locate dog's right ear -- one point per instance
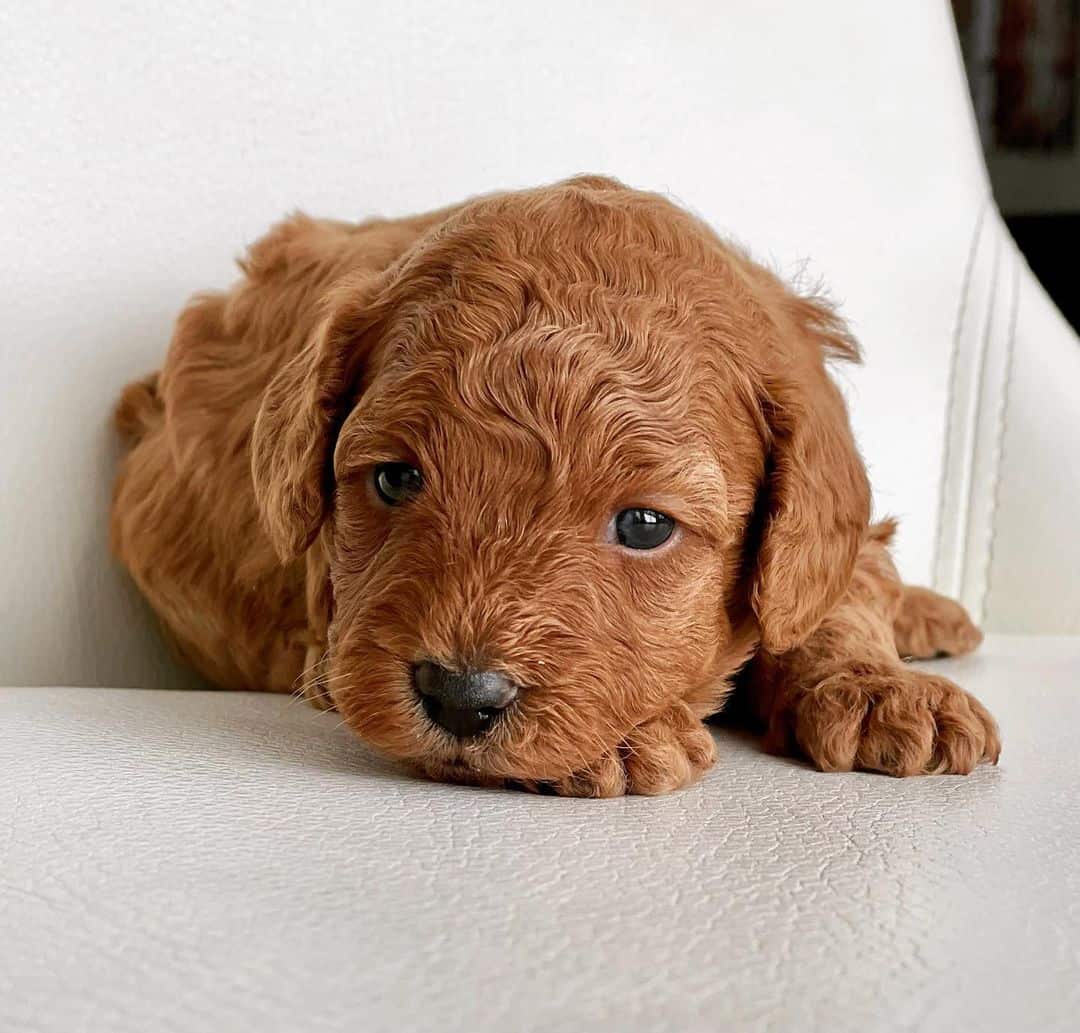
(301, 413)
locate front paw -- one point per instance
(900, 723)
(665, 753)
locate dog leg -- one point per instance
(845, 700)
(929, 625)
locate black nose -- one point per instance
(465, 703)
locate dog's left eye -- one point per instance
(643, 528)
(397, 482)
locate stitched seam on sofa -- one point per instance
(970, 592)
(951, 416)
(1002, 427)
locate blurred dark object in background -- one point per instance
(1021, 62)
(1021, 58)
(1036, 75)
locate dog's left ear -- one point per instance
(301, 413)
(818, 495)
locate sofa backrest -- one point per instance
(145, 146)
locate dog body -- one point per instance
(519, 486)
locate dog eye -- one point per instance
(643, 528)
(397, 482)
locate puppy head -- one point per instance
(566, 460)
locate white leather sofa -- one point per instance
(199, 860)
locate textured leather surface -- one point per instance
(146, 144)
(192, 861)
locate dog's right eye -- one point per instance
(397, 482)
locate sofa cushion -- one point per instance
(197, 860)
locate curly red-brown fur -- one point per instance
(546, 358)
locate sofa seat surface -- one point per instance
(207, 860)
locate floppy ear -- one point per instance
(818, 495)
(301, 413)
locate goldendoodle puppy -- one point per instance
(518, 487)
